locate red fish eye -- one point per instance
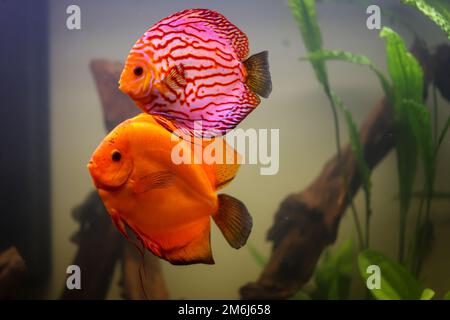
(116, 156)
(138, 71)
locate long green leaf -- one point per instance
(407, 80)
(396, 282)
(340, 55)
(358, 152)
(436, 10)
(304, 12)
(405, 71)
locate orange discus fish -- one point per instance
(192, 66)
(167, 205)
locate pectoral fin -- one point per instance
(154, 180)
(234, 220)
(175, 78)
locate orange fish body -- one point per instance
(194, 66)
(167, 205)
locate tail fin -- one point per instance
(233, 220)
(258, 78)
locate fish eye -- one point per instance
(138, 71)
(116, 156)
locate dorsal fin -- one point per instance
(142, 117)
(166, 123)
(236, 38)
(226, 161)
(216, 22)
(225, 173)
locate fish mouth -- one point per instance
(125, 88)
(121, 86)
(92, 166)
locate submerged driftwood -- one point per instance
(100, 245)
(308, 221)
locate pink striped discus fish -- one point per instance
(193, 66)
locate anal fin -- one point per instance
(188, 245)
(118, 222)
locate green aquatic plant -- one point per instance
(363, 168)
(417, 141)
(412, 125)
(396, 282)
(439, 12)
(333, 274)
(421, 126)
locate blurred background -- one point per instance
(52, 121)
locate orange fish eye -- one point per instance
(138, 71)
(116, 156)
